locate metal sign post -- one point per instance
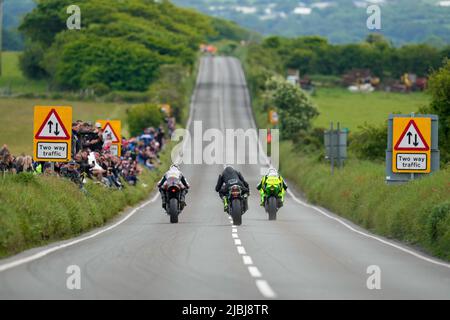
(331, 148)
(336, 146)
(338, 135)
(1, 37)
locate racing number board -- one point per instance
(412, 141)
(52, 134)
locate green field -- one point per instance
(353, 109)
(12, 76)
(16, 122)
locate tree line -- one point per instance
(121, 45)
(315, 55)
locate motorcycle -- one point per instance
(174, 205)
(272, 200)
(237, 200)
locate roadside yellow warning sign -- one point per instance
(167, 109)
(112, 135)
(273, 117)
(412, 141)
(52, 134)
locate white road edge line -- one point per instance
(255, 273)
(415, 254)
(265, 289)
(46, 252)
(43, 253)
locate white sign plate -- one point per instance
(52, 150)
(412, 161)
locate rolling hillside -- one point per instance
(342, 21)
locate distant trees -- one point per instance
(121, 44)
(439, 88)
(83, 60)
(314, 55)
(225, 29)
(171, 89)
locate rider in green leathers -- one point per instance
(272, 179)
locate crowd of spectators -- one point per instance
(93, 156)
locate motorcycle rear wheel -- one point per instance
(173, 210)
(236, 212)
(272, 208)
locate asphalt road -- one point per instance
(303, 255)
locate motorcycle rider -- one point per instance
(228, 178)
(174, 172)
(275, 178)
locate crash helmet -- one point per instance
(226, 165)
(272, 172)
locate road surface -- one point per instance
(303, 255)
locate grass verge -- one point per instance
(417, 213)
(36, 210)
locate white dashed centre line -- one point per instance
(247, 260)
(254, 272)
(241, 250)
(262, 285)
(265, 289)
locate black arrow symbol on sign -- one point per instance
(50, 124)
(57, 131)
(409, 137)
(416, 143)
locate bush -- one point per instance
(439, 88)
(438, 222)
(295, 107)
(30, 62)
(171, 88)
(369, 142)
(309, 141)
(143, 116)
(100, 89)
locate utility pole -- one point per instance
(1, 36)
